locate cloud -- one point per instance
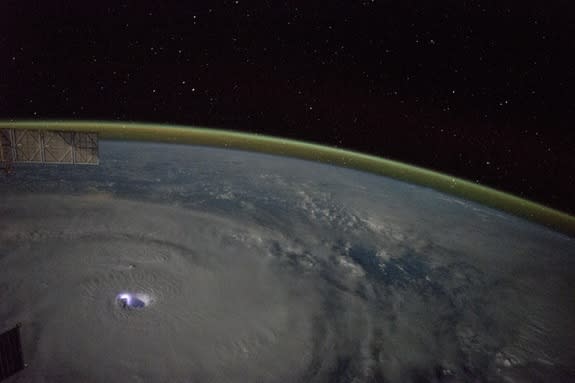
(271, 275)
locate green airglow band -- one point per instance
(314, 152)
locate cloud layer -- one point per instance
(258, 269)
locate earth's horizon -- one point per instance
(170, 133)
(257, 267)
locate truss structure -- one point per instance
(39, 146)
(11, 359)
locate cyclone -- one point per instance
(183, 263)
(214, 303)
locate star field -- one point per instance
(478, 89)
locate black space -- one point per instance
(480, 89)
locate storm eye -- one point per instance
(127, 300)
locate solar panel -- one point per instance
(58, 147)
(62, 147)
(85, 148)
(5, 145)
(11, 359)
(28, 144)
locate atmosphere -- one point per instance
(478, 89)
(370, 191)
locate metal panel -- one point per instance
(28, 144)
(86, 148)
(5, 146)
(58, 147)
(11, 359)
(61, 147)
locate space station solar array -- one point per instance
(42, 146)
